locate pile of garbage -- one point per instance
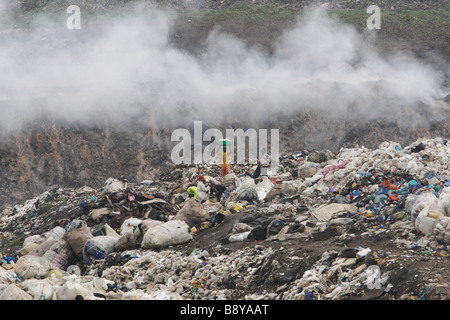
(173, 238)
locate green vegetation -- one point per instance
(268, 12)
(356, 16)
(426, 28)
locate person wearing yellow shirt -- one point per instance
(192, 191)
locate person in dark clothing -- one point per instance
(217, 190)
(257, 171)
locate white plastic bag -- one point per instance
(169, 233)
(71, 289)
(424, 223)
(12, 292)
(239, 237)
(327, 212)
(30, 266)
(39, 289)
(59, 254)
(424, 200)
(263, 188)
(442, 230)
(113, 185)
(104, 243)
(129, 224)
(244, 182)
(444, 200)
(229, 180)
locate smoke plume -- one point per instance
(123, 69)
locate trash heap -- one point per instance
(152, 240)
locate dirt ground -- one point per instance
(414, 270)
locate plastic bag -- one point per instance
(126, 242)
(30, 266)
(78, 237)
(442, 230)
(31, 243)
(193, 212)
(39, 289)
(244, 182)
(12, 292)
(239, 236)
(280, 191)
(444, 200)
(59, 254)
(147, 224)
(327, 212)
(129, 224)
(424, 223)
(424, 200)
(97, 214)
(98, 247)
(37, 245)
(248, 194)
(43, 247)
(113, 185)
(71, 289)
(169, 233)
(230, 180)
(263, 188)
(92, 252)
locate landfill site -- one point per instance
(355, 209)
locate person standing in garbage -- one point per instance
(224, 162)
(192, 192)
(217, 190)
(202, 190)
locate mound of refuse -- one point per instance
(153, 240)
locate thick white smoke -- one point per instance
(123, 68)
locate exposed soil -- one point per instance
(413, 268)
